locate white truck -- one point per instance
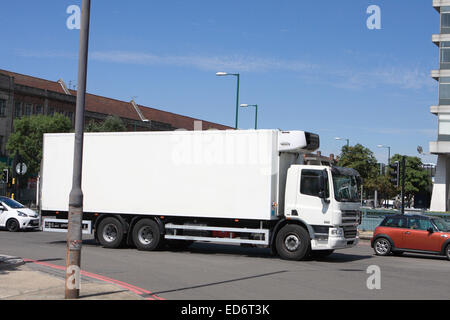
(249, 187)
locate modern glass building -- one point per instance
(441, 147)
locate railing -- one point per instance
(371, 218)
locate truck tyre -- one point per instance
(12, 225)
(110, 232)
(146, 235)
(292, 242)
(382, 247)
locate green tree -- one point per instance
(381, 183)
(417, 179)
(359, 158)
(27, 138)
(111, 124)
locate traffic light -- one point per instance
(395, 173)
(4, 176)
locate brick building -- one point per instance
(23, 95)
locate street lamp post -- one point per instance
(348, 141)
(221, 74)
(389, 151)
(244, 105)
(75, 216)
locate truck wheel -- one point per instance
(146, 235)
(292, 242)
(382, 247)
(12, 225)
(110, 233)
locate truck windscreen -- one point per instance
(346, 188)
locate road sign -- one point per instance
(21, 168)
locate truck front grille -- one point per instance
(350, 232)
(349, 216)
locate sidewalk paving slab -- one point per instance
(20, 282)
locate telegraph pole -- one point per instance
(74, 232)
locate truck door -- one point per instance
(311, 207)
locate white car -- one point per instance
(14, 216)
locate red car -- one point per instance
(412, 233)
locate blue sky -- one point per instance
(308, 66)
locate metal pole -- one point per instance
(256, 117)
(403, 183)
(389, 155)
(237, 101)
(74, 232)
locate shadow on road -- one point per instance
(221, 282)
(343, 257)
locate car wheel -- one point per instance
(146, 235)
(12, 225)
(292, 242)
(382, 247)
(447, 251)
(110, 233)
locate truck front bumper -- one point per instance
(333, 243)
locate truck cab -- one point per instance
(326, 200)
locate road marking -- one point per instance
(139, 291)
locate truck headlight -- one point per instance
(336, 231)
(21, 214)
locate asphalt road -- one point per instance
(212, 271)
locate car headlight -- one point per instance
(21, 214)
(336, 231)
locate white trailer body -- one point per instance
(213, 174)
(238, 186)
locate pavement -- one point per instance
(22, 279)
(31, 280)
(365, 235)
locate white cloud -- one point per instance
(352, 77)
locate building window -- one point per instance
(444, 124)
(51, 111)
(69, 114)
(445, 55)
(444, 91)
(28, 109)
(17, 109)
(2, 108)
(38, 109)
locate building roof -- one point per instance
(109, 106)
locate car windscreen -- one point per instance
(11, 203)
(441, 224)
